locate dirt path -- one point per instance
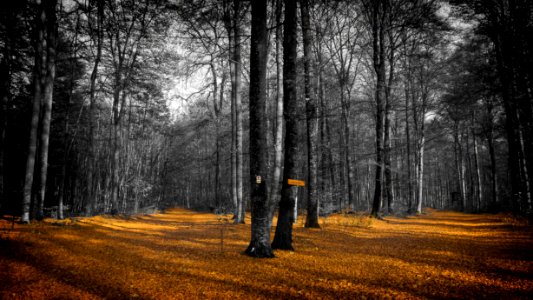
(179, 255)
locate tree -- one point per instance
(233, 25)
(98, 38)
(48, 91)
(279, 126)
(43, 77)
(507, 24)
(377, 14)
(283, 235)
(260, 240)
(312, 120)
(344, 34)
(14, 44)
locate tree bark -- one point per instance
(239, 158)
(278, 139)
(379, 12)
(231, 21)
(312, 121)
(48, 93)
(420, 171)
(389, 195)
(38, 82)
(387, 172)
(283, 235)
(260, 238)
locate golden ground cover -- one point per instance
(181, 255)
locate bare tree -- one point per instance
(39, 76)
(48, 91)
(283, 235)
(312, 120)
(260, 240)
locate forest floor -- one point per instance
(181, 255)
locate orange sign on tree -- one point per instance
(296, 182)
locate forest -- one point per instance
(272, 121)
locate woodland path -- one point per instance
(179, 255)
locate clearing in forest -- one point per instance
(181, 255)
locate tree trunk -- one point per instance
(260, 238)
(38, 82)
(283, 236)
(238, 115)
(327, 167)
(494, 185)
(387, 172)
(420, 171)
(379, 13)
(479, 188)
(408, 154)
(349, 173)
(233, 153)
(115, 157)
(312, 121)
(278, 139)
(48, 94)
(66, 147)
(458, 163)
(91, 165)
(389, 195)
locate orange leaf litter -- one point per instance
(181, 255)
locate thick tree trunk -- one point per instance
(283, 236)
(312, 121)
(379, 13)
(48, 93)
(388, 187)
(260, 238)
(38, 82)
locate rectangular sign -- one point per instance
(296, 182)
